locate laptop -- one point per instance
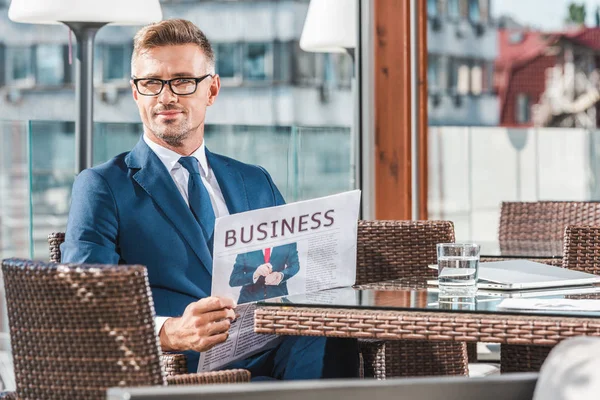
(524, 274)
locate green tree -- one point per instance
(576, 14)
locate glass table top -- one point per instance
(522, 248)
(403, 295)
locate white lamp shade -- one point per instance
(330, 26)
(117, 12)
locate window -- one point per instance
(49, 65)
(453, 9)
(304, 66)
(258, 64)
(20, 66)
(344, 69)
(459, 76)
(116, 62)
(488, 77)
(432, 8)
(462, 83)
(477, 78)
(228, 64)
(433, 72)
(523, 111)
(282, 61)
(474, 11)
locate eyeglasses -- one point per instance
(179, 86)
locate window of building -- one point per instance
(344, 69)
(258, 63)
(485, 10)
(488, 77)
(116, 62)
(474, 11)
(453, 8)
(459, 76)
(477, 78)
(433, 72)
(463, 78)
(282, 61)
(433, 8)
(304, 66)
(228, 63)
(523, 111)
(49, 65)
(20, 66)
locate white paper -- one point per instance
(551, 304)
(312, 246)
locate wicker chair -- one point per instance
(78, 329)
(171, 363)
(399, 249)
(541, 221)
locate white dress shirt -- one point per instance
(181, 176)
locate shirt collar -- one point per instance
(171, 159)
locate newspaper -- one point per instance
(296, 248)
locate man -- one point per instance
(157, 205)
(263, 274)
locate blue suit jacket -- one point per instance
(130, 211)
(284, 259)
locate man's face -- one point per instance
(170, 117)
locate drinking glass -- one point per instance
(458, 265)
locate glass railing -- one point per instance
(473, 170)
(38, 158)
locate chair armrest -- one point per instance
(173, 364)
(226, 376)
(372, 354)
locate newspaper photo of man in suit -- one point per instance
(263, 274)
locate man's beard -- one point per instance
(173, 133)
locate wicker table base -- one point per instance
(409, 325)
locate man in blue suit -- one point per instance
(263, 274)
(157, 205)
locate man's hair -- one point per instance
(172, 32)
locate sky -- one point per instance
(543, 14)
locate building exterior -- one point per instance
(548, 78)
(267, 79)
(462, 47)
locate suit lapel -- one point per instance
(154, 178)
(230, 182)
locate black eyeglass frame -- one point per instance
(168, 82)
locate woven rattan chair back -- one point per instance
(582, 248)
(77, 330)
(544, 220)
(399, 249)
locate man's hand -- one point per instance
(203, 325)
(274, 278)
(263, 270)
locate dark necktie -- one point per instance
(199, 199)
